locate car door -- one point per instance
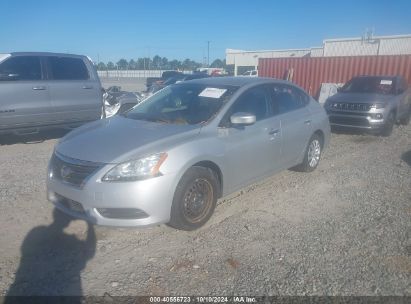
(251, 151)
(24, 95)
(291, 104)
(75, 92)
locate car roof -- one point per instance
(238, 81)
(45, 54)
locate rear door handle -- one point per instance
(39, 88)
(87, 87)
(307, 122)
(274, 131)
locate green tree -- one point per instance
(132, 65)
(164, 63)
(156, 62)
(140, 64)
(218, 63)
(148, 63)
(174, 64)
(122, 64)
(101, 66)
(189, 64)
(110, 65)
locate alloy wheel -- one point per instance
(314, 152)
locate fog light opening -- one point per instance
(122, 213)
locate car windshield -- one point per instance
(376, 85)
(183, 104)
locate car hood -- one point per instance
(359, 98)
(119, 139)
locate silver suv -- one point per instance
(45, 90)
(371, 103)
(173, 155)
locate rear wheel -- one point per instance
(194, 199)
(312, 154)
(389, 125)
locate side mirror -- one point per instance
(242, 119)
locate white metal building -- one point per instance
(372, 45)
(377, 45)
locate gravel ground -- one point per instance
(344, 229)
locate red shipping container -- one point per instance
(310, 72)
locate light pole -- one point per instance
(208, 53)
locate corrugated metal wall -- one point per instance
(309, 73)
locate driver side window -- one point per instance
(21, 68)
(253, 101)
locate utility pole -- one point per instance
(208, 53)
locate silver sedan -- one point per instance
(169, 159)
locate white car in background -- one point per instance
(251, 73)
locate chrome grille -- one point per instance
(72, 171)
(351, 121)
(350, 106)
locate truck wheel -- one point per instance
(389, 125)
(194, 199)
(406, 119)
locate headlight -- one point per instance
(111, 109)
(377, 106)
(136, 169)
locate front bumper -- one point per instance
(150, 200)
(358, 120)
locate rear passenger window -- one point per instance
(20, 68)
(286, 98)
(66, 68)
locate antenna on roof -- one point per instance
(368, 35)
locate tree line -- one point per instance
(156, 63)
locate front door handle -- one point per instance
(307, 122)
(274, 131)
(87, 87)
(37, 88)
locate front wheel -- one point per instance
(389, 125)
(312, 155)
(407, 117)
(194, 199)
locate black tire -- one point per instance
(194, 199)
(308, 165)
(389, 125)
(407, 117)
